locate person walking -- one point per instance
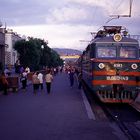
(21, 69)
(23, 80)
(48, 79)
(71, 77)
(35, 82)
(27, 69)
(40, 77)
(4, 83)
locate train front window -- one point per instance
(106, 52)
(128, 52)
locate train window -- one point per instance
(128, 52)
(106, 52)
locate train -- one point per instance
(110, 65)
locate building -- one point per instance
(10, 54)
(2, 48)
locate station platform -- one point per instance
(64, 114)
(136, 103)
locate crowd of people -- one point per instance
(73, 73)
(38, 78)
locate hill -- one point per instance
(65, 51)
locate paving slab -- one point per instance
(61, 115)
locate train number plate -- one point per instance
(117, 78)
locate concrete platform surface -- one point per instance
(61, 115)
(136, 103)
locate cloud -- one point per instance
(49, 11)
(63, 23)
(68, 15)
(110, 7)
(66, 36)
(89, 12)
(24, 13)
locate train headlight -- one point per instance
(117, 37)
(134, 66)
(101, 65)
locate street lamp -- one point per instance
(42, 47)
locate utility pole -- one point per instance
(118, 16)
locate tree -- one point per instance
(55, 59)
(32, 55)
(28, 53)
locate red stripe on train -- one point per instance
(110, 82)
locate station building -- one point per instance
(8, 55)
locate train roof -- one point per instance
(106, 35)
(112, 29)
(109, 39)
(109, 30)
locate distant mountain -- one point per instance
(65, 51)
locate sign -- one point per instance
(118, 65)
(125, 78)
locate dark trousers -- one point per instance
(41, 85)
(35, 87)
(79, 84)
(48, 85)
(71, 81)
(5, 87)
(24, 84)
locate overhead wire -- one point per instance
(118, 16)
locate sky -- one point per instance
(67, 23)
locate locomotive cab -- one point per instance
(111, 66)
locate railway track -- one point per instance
(127, 119)
(124, 115)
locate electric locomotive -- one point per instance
(111, 65)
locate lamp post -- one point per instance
(42, 47)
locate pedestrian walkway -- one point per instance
(61, 115)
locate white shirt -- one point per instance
(24, 74)
(40, 77)
(27, 69)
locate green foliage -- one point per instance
(31, 54)
(55, 59)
